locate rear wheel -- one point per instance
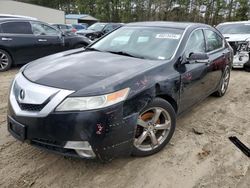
(155, 128)
(224, 83)
(5, 61)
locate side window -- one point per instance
(42, 29)
(213, 40)
(16, 28)
(195, 43)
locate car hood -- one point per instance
(236, 37)
(89, 72)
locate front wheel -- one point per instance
(155, 128)
(224, 83)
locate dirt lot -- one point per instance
(190, 160)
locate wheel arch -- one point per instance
(166, 97)
(170, 100)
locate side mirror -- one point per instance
(198, 56)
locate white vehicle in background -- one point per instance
(16, 16)
(237, 35)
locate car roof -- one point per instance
(237, 22)
(16, 16)
(178, 25)
(15, 19)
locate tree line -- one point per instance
(207, 11)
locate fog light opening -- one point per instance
(82, 148)
(85, 153)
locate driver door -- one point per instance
(48, 40)
(194, 75)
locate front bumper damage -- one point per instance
(104, 134)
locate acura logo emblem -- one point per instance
(22, 94)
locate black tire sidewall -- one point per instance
(10, 61)
(247, 67)
(159, 102)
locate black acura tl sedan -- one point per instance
(23, 40)
(121, 95)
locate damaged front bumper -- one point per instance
(103, 134)
(240, 59)
(241, 53)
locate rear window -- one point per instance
(16, 28)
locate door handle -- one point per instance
(206, 62)
(42, 40)
(6, 39)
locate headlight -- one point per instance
(95, 102)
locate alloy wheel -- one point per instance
(225, 80)
(153, 127)
(4, 60)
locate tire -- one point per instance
(247, 67)
(80, 46)
(223, 83)
(5, 61)
(163, 128)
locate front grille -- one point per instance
(32, 107)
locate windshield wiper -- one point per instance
(92, 49)
(125, 54)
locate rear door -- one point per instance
(47, 39)
(18, 39)
(218, 58)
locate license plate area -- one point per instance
(16, 129)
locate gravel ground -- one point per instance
(190, 160)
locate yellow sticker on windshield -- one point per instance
(168, 36)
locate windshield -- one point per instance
(97, 26)
(153, 43)
(234, 28)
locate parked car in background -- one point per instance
(119, 97)
(66, 28)
(24, 40)
(80, 26)
(97, 30)
(238, 36)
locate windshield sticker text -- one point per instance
(168, 36)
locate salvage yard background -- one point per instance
(190, 160)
